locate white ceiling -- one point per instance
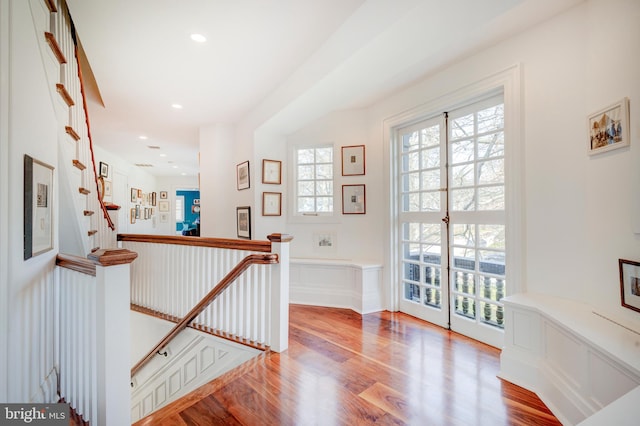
(279, 63)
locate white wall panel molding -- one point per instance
(574, 358)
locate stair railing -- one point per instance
(173, 277)
(253, 259)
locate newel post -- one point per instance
(280, 292)
(113, 335)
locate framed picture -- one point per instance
(38, 207)
(104, 169)
(164, 195)
(164, 217)
(196, 201)
(108, 190)
(271, 203)
(272, 172)
(154, 199)
(139, 193)
(195, 208)
(243, 217)
(353, 163)
(134, 195)
(132, 216)
(609, 127)
(325, 242)
(138, 211)
(354, 199)
(630, 284)
(242, 172)
(163, 206)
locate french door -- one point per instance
(451, 219)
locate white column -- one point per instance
(113, 338)
(280, 292)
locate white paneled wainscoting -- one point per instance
(581, 363)
(192, 359)
(350, 284)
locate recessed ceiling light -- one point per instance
(153, 147)
(183, 174)
(198, 38)
(143, 137)
(163, 155)
(176, 106)
(175, 167)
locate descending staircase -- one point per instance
(192, 359)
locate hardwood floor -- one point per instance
(345, 369)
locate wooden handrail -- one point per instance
(76, 263)
(103, 257)
(248, 245)
(252, 259)
(93, 158)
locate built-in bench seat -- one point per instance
(579, 361)
(338, 283)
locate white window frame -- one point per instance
(507, 80)
(317, 217)
(179, 203)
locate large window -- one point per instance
(314, 180)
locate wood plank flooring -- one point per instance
(342, 368)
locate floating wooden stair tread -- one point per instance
(92, 232)
(88, 213)
(65, 95)
(78, 165)
(51, 4)
(55, 48)
(72, 133)
(84, 191)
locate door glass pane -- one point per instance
(462, 175)
(462, 127)
(491, 145)
(491, 171)
(462, 151)
(430, 201)
(491, 198)
(463, 200)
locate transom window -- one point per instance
(314, 180)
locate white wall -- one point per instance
(171, 184)
(29, 126)
(356, 237)
(4, 197)
(124, 176)
(578, 208)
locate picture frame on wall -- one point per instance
(104, 170)
(353, 161)
(163, 206)
(164, 195)
(354, 199)
(609, 127)
(242, 176)
(134, 195)
(271, 204)
(243, 222)
(108, 189)
(272, 172)
(154, 199)
(630, 284)
(38, 207)
(132, 215)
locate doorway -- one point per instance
(451, 221)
